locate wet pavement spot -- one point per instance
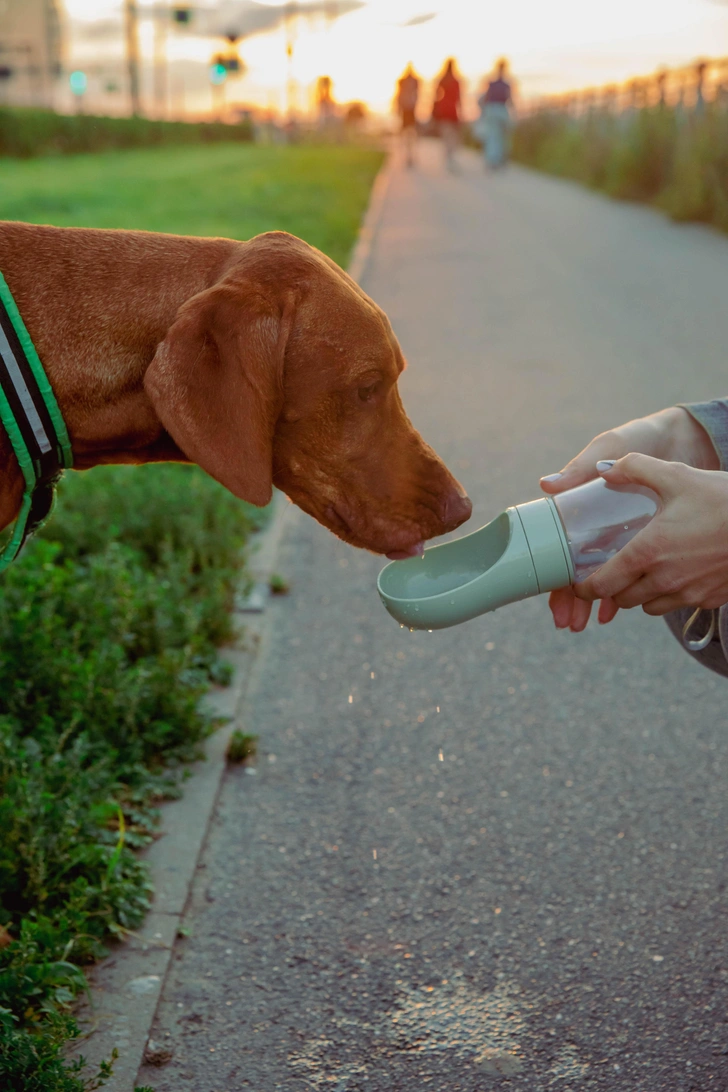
(567, 1067)
(457, 1019)
(487, 1030)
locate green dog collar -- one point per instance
(33, 422)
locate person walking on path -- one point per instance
(446, 112)
(495, 118)
(408, 92)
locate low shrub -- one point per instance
(108, 630)
(26, 132)
(658, 155)
(34, 1062)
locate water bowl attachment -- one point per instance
(480, 572)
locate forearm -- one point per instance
(713, 417)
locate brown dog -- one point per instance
(262, 361)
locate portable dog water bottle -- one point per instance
(528, 549)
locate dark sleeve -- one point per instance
(713, 416)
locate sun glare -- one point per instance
(552, 47)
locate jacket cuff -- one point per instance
(713, 416)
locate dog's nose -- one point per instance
(456, 508)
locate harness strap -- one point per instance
(34, 424)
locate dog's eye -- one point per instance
(366, 394)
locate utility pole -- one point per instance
(131, 18)
(162, 16)
(290, 24)
(52, 64)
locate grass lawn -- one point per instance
(110, 620)
(232, 190)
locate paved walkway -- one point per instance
(492, 856)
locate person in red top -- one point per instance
(446, 112)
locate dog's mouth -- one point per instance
(416, 550)
(340, 524)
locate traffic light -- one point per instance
(78, 82)
(218, 71)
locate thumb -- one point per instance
(657, 474)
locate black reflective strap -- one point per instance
(28, 418)
(26, 402)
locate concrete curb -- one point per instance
(127, 985)
(372, 218)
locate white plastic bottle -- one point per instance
(599, 519)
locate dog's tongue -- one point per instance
(412, 551)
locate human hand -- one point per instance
(672, 435)
(681, 558)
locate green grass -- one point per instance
(110, 621)
(221, 189)
(661, 156)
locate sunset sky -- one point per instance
(553, 44)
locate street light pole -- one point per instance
(131, 20)
(162, 16)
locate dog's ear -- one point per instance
(216, 384)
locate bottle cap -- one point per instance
(519, 554)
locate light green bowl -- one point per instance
(519, 554)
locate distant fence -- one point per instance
(689, 88)
(661, 139)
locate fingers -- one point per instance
(568, 611)
(665, 479)
(644, 590)
(608, 610)
(561, 602)
(579, 615)
(663, 604)
(583, 468)
(615, 577)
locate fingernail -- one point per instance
(605, 464)
(551, 477)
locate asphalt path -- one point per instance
(492, 856)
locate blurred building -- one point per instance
(31, 51)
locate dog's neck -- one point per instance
(97, 304)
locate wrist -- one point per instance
(684, 440)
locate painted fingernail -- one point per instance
(551, 477)
(605, 464)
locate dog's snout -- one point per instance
(456, 508)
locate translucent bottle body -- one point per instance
(600, 519)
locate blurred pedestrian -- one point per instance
(494, 125)
(408, 92)
(327, 112)
(446, 112)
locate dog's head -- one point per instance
(285, 373)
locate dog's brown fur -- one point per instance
(261, 361)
